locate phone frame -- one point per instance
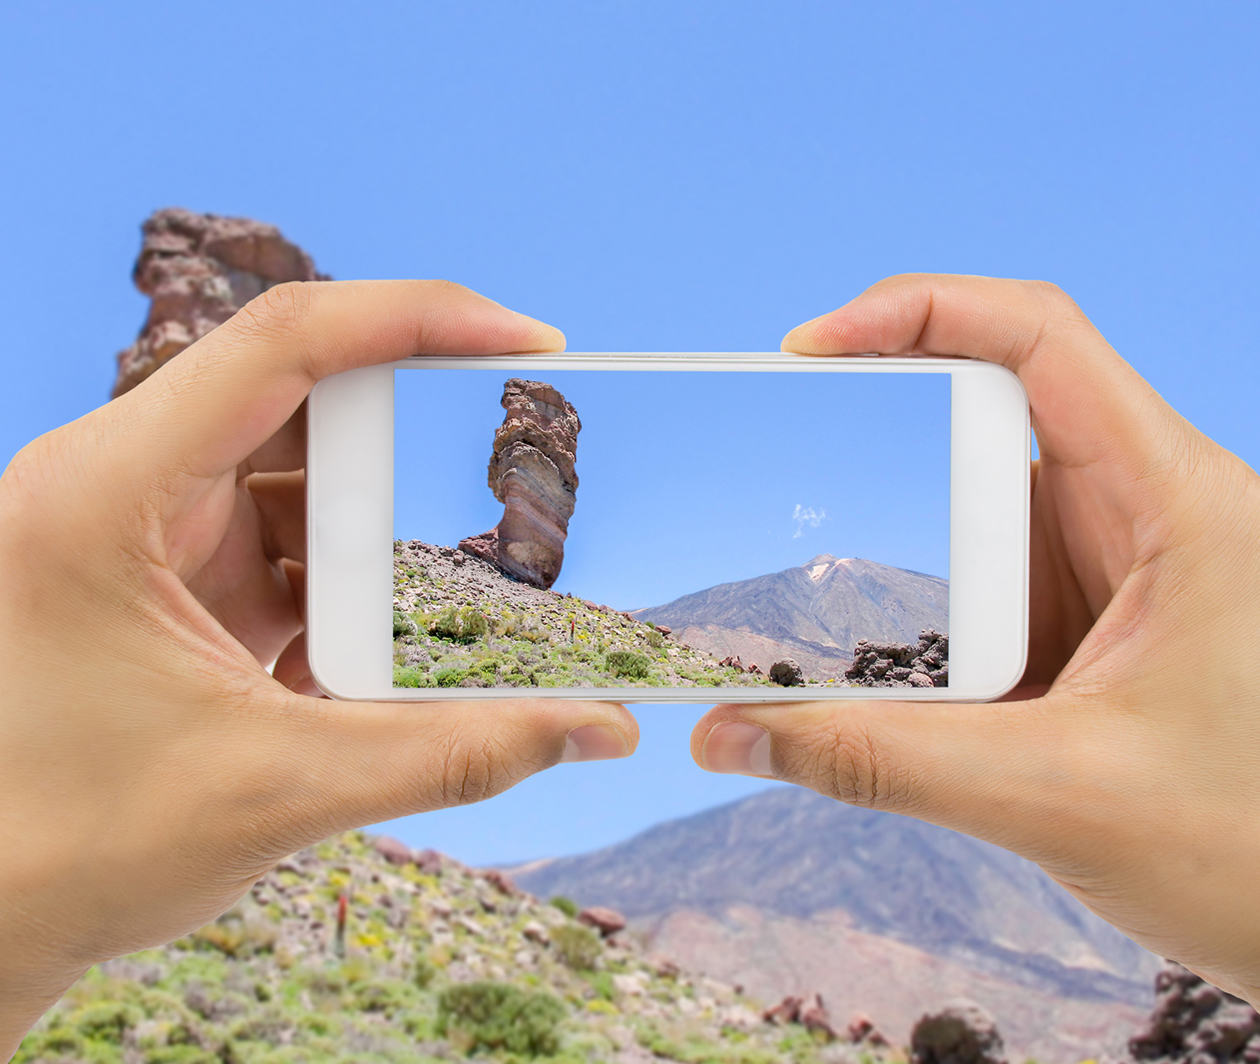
(350, 535)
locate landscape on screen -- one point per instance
(729, 529)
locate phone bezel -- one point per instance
(350, 497)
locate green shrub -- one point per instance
(498, 1016)
(472, 624)
(105, 1021)
(180, 1054)
(465, 625)
(423, 973)
(450, 676)
(55, 1042)
(566, 905)
(579, 947)
(626, 663)
(402, 626)
(411, 676)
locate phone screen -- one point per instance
(668, 528)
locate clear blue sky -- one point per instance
(647, 176)
(690, 479)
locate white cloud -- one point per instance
(806, 516)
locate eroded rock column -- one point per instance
(532, 473)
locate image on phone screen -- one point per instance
(668, 528)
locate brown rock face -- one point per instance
(605, 921)
(532, 473)
(809, 1011)
(1196, 1023)
(199, 270)
(960, 1032)
(921, 664)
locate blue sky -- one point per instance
(647, 176)
(690, 479)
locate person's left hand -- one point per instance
(152, 551)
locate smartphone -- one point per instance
(669, 527)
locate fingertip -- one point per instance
(544, 337)
(818, 336)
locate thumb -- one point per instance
(311, 767)
(1000, 771)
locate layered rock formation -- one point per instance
(532, 473)
(921, 664)
(199, 270)
(1195, 1023)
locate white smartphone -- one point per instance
(669, 527)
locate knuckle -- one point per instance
(283, 307)
(857, 772)
(442, 287)
(1056, 301)
(474, 768)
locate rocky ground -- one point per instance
(439, 962)
(362, 949)
(460, 622)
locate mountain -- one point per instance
(787, 891)
(814, 613)
(440, 963)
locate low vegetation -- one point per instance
(453, 631)
(436, 967)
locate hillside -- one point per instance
(814, 613)
(772, 890)
(460, 622)
(440, 962)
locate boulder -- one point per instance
(395, 852)
(535, 932)
(606, 921)
(198, 270)
(862, 1030)
(532, 473)
(813, 1017)
(960, 1032)
(787, 673)
(921, 664)
(808, 1011)
(1195, 1022)
(501, 882)
(786, 1011)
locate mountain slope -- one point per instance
(815, 612)
(756, 873)
(439, 963)
(460, 622)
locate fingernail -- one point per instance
(593, 742)
(734, 746)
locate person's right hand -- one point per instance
(1127, 763)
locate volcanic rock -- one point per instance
(1196, 1023)
(605, 921)
(809, 1011)
(862, 1029)
(787, 673)
(921, 664)
(198, 270)
(960, 1032)
(393, 851)
(532, 473)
